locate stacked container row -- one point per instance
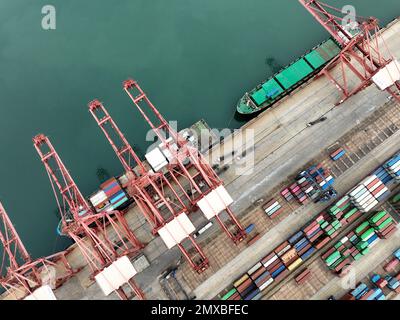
(393, 167)
(369, 193)
(357, 243)
(272, 208)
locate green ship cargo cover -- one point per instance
(269, 91)
(259, 96)
(322, 54)
(272, 89)
(294, 73)
(315, 59)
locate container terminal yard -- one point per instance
(314, 217)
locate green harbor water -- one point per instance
(194, 58)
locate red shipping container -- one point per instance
(282, 275)
(305, 249)
(379, 189)
(284, 191)
(281, 246)
(268, 257)
(274, 268)
(310, 226)
(258, 272)
(389, 231)
(316, 236)
(367, 295)
(372, 183)
(244, 285)
(322, 243)
(304, 274)
(390, 266)
(381, 283)
(277, 213)
(347, 296)
(341, 265)
(328, 253)
(333, 235)
(273, 264)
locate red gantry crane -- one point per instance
(153, 193)
(104, 238)
(364, 52)
(23, 277)
(186, 166)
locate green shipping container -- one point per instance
(229, 294)
(385, 223)
(396, 198)
(358, 256)
(333, 209)
(376, 217)
(336, 263)
(341, 201)
(350, 213)
(361, 227)
(362, 245)
(367, 233)
(365, 251)
(332, 258)
(353, 238)
(324, 224)
(345, 206)
(337, 245)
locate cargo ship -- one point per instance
(275, 88)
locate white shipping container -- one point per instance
(98, 198)
(375, 186)
(344, 240)
(301, 180)
(395, 167)
(371, 200)
(373, 204)
(366, 239)
(361, 192)
(380, 193)
(254, 268)
(365, 197)
(309, 189)
(272, 206)
(356, 190)
(270, 261)
(266, 284)
(368, 180)
(287, 248)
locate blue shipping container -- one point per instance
(307, 254)
(295, 237)
(278, 271)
